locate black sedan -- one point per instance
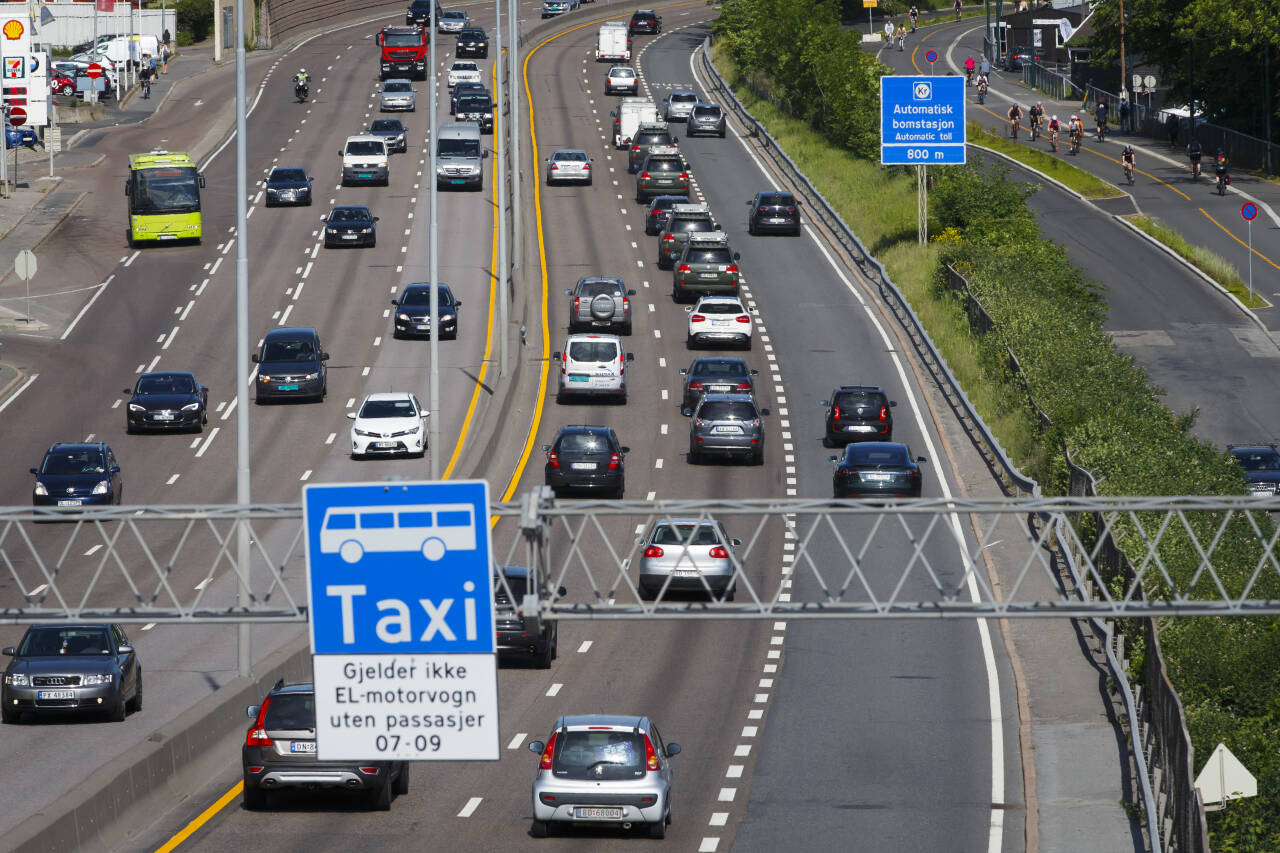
(717, 376)
(76, 474)
(350, 225)
(393, 131)
(166, 400)
(586, 458)
(776, 212)
(59, 669)
(288, 185)
(877, 469)
(472, 41)
(413, 312)
(522, 635)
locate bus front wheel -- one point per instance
(433, 549)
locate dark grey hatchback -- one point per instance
(350, 225)
(774, 212)
(291, 366)
(288, 185)
(715, 376)
(72, 668)
(586, 458)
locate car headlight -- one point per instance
(102, 488)
(134, 407)
(18, 679)
(263, 378)
(40, 489)
(439, 169)
(315, 375)
(404, 318)
(365, 433)
(366, 230)
(96, 679)
(191, 407)
(411, 431)
(331, 230)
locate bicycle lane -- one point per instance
(1163, 188)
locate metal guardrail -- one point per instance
(876, 273)
(1050, 82)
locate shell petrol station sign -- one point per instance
(24, 75)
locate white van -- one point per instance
(613, 42)
(460, 156)
(365, 160)
(127, 48)
(592, 365)
(630, 114)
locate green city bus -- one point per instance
(164, 197)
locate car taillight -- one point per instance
(668, 238)
(650, 757)
(635, 147)
(545, 763)
(553, 459)
(884, 413)
(576, 300)
(586, 167)
(835, 413)
(744, 386)
(686, 268)
(554, 167)
(684, 176)
(731, 268)
(697, 318)
(743, 318)
(653, 551)
(695, 386)
(718, 553)
(626, 304)
(257, 732)
(644, 176)
(614, 462)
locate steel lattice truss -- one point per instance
(793, 558)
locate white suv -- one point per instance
(592, 365)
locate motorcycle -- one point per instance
(300, 91)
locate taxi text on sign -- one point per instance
(400, 586)
(922, 120)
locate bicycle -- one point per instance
(1128, 172)
(1102, 133)
(1013, 128)
(1075, 141)
(1035, 128)
(968, 76)
(1053, 139)
(1195, 169)
(1223, 181)
(146, 87)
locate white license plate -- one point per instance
(56, 694)
(385, 445)
(584, 466)
(707, 275)
(719, 387)
(164, 416)
(877, 477)
(69, 503)
(302, 746)
(777, 221)
(727, 430)
(348, 236)
(859, 429)
(719, 323)
(593, 812)
(424, 326)
(685, 573)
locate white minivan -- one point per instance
(365, 160)
(592, 365)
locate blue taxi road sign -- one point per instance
(922, 120)
(399, 567)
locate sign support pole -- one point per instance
(433, 386)
(922, 203)
(4, 138)
(1250, 260)
(243, 495)
(499, 83)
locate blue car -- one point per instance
(15, 137)
(77, 474)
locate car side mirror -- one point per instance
(764, 412)
(921, 459)
(395, 302)
(255, 358)
(33, 470)
(631, 356)
(737, 543)
(674, 139)
(625, 449)
(737, 256)
(893, 403)
(824, 404)
(457, 303)
(627, 141)
(252, 711)
(797, 202)
(309, 178)
(126, 649)
(673, 749)
(115, 469)
(376, 218)
(834, 459)
(339, 152)
(324, 356)
(536, 747)
(202, 181)
(546, 448)
(613, 113)
(555, 356)
(631, 292)
(688, 309)
(324, 218)
(8, 651)
(351, 416)
(485, 154)
(750, 202)
(128, 390)
(755, 372)
(684, 371)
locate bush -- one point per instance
(195, 19)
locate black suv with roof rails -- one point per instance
(858, 413)
(280, 752)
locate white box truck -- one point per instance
(630, 114)
(613, 42)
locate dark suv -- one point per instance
(522, 635)
(291, 366)
(1261, 464)
(472, 41)
(858, 413)
(655, 218)
(663, 172)
(645, 21)
(648, 133)
(419, 12)
(684, 219)
(586, 458)
(706, 267)
(776, 212)
(600, 303)
(280, 752)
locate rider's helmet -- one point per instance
(1055, 118)
(1075, 117)
(1128, 149)
(1219, 150)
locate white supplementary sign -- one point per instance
(393, 707)
(1224, 778)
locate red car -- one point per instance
(61, 84)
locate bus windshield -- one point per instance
(169, 189)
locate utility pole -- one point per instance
(1124, 78)
(433, 389)
(513, 97)
(503, 265)
(243, 495)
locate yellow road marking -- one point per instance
(1237, 239)
(202, 818)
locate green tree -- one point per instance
(195, 17)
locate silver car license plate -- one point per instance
(384, 445)
(876, 477)
(584, 466)
(727, 430)
(56, 694)
(597, 812)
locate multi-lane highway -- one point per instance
(900, 736)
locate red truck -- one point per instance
(404, 52)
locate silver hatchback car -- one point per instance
(726, 425)
(603, 770)
(686, 555)
(398, 95)
(679, 105)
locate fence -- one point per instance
(1050, 82)
(1242, 150)
(1157, 726)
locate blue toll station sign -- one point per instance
(399, 567)
(922, 120)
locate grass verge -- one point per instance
(879, 204)
(1088, 185)
(1210, 263)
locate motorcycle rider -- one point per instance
(301, 81)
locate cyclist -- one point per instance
(1220, 169)
(1127, 162)
(1037, 117)
(915, 16)
(1194, 150)
(968, 71)
(982, 89)
(1075, 128)
(1101, 114)
(1015, 116)
(956, 6)
(1053, 132)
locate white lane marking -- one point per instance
(154, 362)
(172, 480)
(749, 731)
(213, 432)
(39, 589)
(21, 388)
(148, 626)
(169, 340)
(132, 257)
(331, 437)
(288, 309)
(306, 475)
(742, 750)
(214, 269)
(517, 741)
(186, 311)
(718, 819)
(734, 771)
(663, 429)
(727, 794)
(554, 689)
(92, 550)
(651, 496)
(203, 583)
(471, 806)
(86, 308)
(709, 844)
(231, 407)
(585, 647)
